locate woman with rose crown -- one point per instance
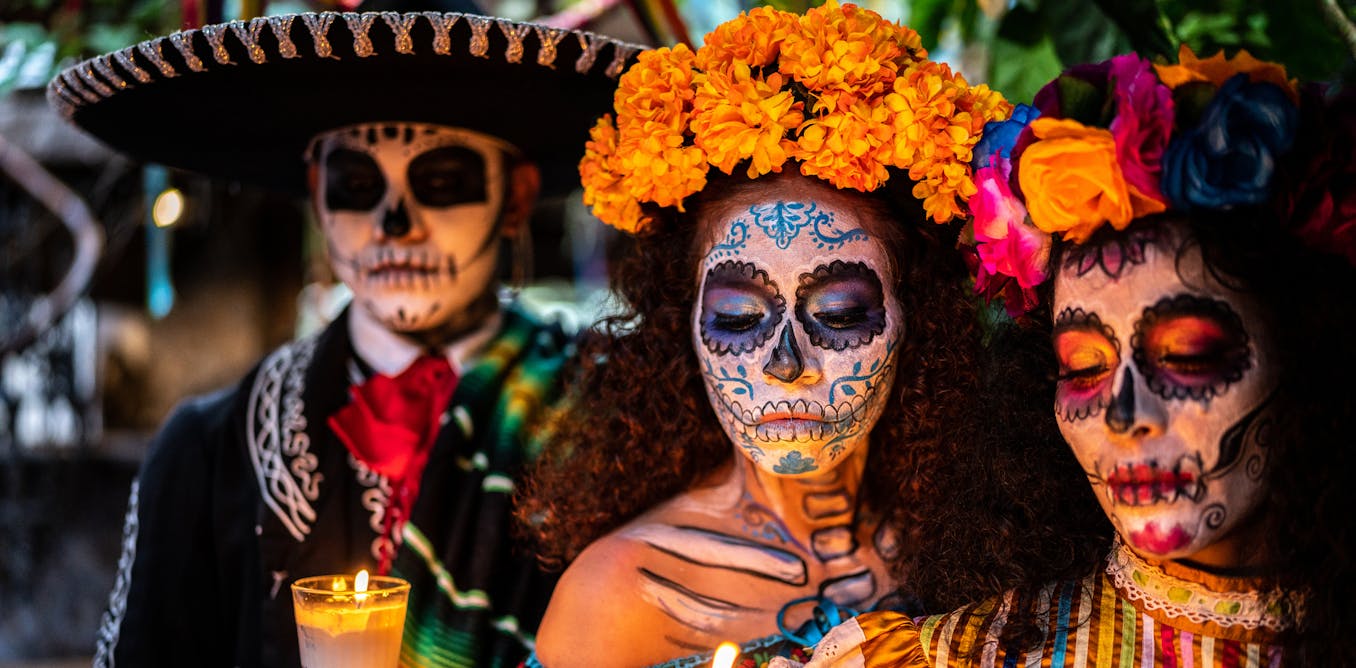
(1187, 234)
(794, 344)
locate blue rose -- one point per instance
(1230, 157)
(1000, 136)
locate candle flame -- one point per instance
(725, 656)
(360, 582)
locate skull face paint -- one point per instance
(1164, 379)
(410, 214)
(795, 327)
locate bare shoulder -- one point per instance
(596, 616)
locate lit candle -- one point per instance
(726, 653)
(350, 621)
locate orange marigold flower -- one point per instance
(658, 88)
(657, 166)
(922, 103)
(842, 51)
(843, 147)
(753, 38)
(745, 117)
(1074, 167)
(1217, 69)
(603, 191)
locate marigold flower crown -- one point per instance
(1112, 142)
(840, 90)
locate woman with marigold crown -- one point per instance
(794, 338)
(1191, 228)
(389, 441)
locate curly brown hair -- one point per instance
(1309, 534)
(1012, 508)
(637, 386)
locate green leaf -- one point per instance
(1020, 70)
(1143, 23)
(927, 16)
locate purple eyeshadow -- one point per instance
(841, 305)
(741, 308)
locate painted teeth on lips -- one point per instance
(1148, 483)
(395, 261)
(844, 413)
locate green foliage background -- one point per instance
(1022, 44)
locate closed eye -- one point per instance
(1192, 363)
(737, 322)
(843, 318)
(1084, 378)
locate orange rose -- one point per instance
(1217, 69)
(1072, 181)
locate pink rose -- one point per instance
(1005, 242)
(1142, 127)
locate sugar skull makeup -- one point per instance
(411, 217)
(795, 326)
(1165, 374)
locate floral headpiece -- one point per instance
(840, 90)
(1108, 143)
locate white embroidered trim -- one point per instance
(279, 447)
(374, 500)
(1174, 597)
(110, 626)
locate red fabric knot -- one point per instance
(390, 420)
(390, 425)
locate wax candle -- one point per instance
(348, 621)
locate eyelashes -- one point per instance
(1190, 347)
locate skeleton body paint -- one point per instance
(411, 218)
(1162, 393)
(794, 323)
(795, 394)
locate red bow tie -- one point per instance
(391, 422)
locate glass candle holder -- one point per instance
(340, 627)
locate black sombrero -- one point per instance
(241, 100)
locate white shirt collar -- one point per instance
(390, 353)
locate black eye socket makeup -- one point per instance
(353, 181)
(447, 176)
(741, 308)
(1190, 347)
(841, 305)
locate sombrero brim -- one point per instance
(242, 100)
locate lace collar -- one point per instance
(1183, 597)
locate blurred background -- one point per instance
(163, 284)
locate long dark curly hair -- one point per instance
(1309, 535)
(1011, 508)
(639, 428)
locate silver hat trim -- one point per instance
(103, 76)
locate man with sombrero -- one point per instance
(390, 440)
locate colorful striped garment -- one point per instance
(1131, 615)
